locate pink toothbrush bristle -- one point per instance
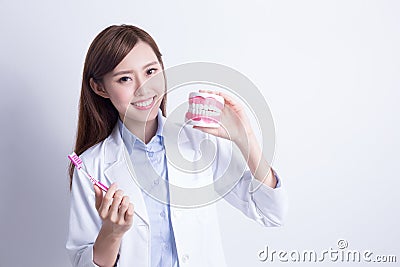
(75, 160)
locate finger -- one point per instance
(228, 99)
(207, 91)
(124, 205)
(113, 212)
(98, 196)
(123, 208)
(210, 92)
(107, 200)
(129, 214)
(213, 131)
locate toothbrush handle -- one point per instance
(102, 186)
(94, 181)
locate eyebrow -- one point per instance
(131, 71)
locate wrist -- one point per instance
(106, 247)
(110, 235)
(245, 141)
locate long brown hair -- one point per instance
(97, 115)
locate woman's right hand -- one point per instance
(115, 210)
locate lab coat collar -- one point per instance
(131, 140)
(118, 171)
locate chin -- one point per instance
(141, 116)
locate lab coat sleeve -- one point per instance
(84, 222)
(257, 201)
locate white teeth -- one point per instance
(204, 110)
(144, 104)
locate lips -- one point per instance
(144, 104)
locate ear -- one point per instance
(98, 88)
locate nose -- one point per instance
(140, 81)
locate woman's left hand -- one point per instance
(235, 124)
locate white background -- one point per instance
(328, 69)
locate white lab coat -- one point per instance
(196, 230)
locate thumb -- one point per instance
(213, 131)
(98, 195)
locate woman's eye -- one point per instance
(151, 71)
(124, 79)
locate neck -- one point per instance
(142, 130)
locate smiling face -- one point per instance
(136, 86)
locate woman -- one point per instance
(120, 126)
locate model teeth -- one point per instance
(144, 104)
(204, 110)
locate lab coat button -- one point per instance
(156, 181)
(185, 258)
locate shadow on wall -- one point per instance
(34, 189)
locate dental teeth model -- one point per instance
(204, 109)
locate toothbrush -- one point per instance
(77, 161)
